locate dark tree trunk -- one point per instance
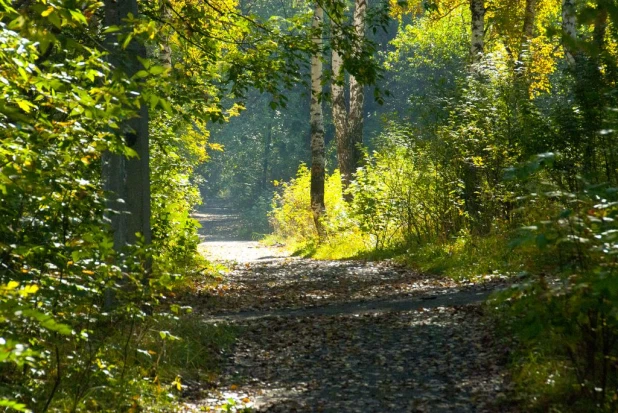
(128, 178)
(357, 91)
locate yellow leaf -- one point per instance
(24, 105)
(30, 289)
(88, 272)
(12, 285)
(47, 12)
(216, 147)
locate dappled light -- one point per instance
(309, 206)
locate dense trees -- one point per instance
(502, 116)
(507, 120)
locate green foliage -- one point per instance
(178, 148)
(566, 320)
(450, 186)
(71, 306)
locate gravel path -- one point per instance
(349, 336)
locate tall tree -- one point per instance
(569, 30)
(128, 179)
(348, 124)
(477, 41)
(318, 159)
(345, 157)
(357, 95)
(527, 35)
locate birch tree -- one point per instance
(569, 30)
(317, 123)
(477, 41)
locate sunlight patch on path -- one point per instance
(239, 251)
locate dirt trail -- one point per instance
(348, 336)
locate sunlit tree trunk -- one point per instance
(569, 30)
(348, 123)
(527, 36)
(166, 49)
(470, 175)
(357, 93)
(340, 120)
(128, 179)
(477, 41)
(317, 125)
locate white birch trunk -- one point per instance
(569, 30)
(166, 49)
(317, 125)
(477, 41)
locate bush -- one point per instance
(566, 318)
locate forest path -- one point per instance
(348, 336)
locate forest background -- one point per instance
(488, 149)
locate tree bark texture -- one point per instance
(477, 41)
(128, 179)
(569, 31)
(345, 155)
(349, 123)
(166, 49)
(318, 159)
(357, 91)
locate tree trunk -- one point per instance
(477, 41)
(166, 50)
(469, 171)
(357, 92)
(340, 119)
(317, 125)
(349, 124)
(266, 158)
(128, 179)
(569, 31)
(527, 36)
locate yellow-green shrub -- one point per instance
(292, 219)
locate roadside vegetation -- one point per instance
(506, 171)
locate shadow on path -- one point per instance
(349, 336)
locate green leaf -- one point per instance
(157, 70)
(127, 40)
(112, 29)
(141, 74)
(13, 405)
(47, 321)
(78, 16)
